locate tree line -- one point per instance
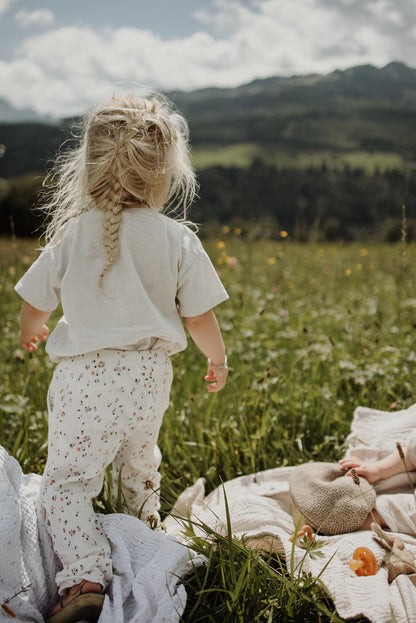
(319, 202)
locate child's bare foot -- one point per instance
(81, 601)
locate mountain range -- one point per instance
(363, 109)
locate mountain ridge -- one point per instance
(363, 109)
(394, 70)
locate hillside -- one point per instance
(360, 112)
(360, 109)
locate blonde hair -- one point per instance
(133, 152)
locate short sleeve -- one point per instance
(40, 285)
(199, 287)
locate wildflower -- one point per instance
(284, 313)
(354, 476)
(356, 481)
(363, 252)
(220, 244)
(12, 270)
(271, 261)
(232, 262)
(283, 234)
(225, 229)
(4, 606)
(400, 450)
(401, 454)
(237, 231)
(18, 354)
(348, 272)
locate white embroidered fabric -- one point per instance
(147, 565)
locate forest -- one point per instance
(262, 200)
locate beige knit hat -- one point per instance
(329, 501)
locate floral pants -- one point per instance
(104, 407)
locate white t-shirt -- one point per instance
(162, 273)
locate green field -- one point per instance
(311, 332)
(243, 154)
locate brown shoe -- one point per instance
(77, 605)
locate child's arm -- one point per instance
(379, 470)
(32, 326)
(206, 334)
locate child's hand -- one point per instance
(216, 376)
(369, 471)
(29, 342)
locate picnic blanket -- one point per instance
(260, 511)
(147, 565)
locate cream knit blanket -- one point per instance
(260, 511)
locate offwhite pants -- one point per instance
(104, 407)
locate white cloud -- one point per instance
(227, 17)
(63, 71)
(39, 18)
(4, 5)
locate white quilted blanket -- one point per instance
(260, 510)
(148, 565)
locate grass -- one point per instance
(311, 332)
(243, 154)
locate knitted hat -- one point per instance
(329, 501)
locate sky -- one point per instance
(60, 57)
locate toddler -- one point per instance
(125, 274)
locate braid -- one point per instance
(112, 204)
(134, 154)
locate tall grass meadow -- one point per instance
(311, 332)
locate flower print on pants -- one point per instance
(104, 407)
